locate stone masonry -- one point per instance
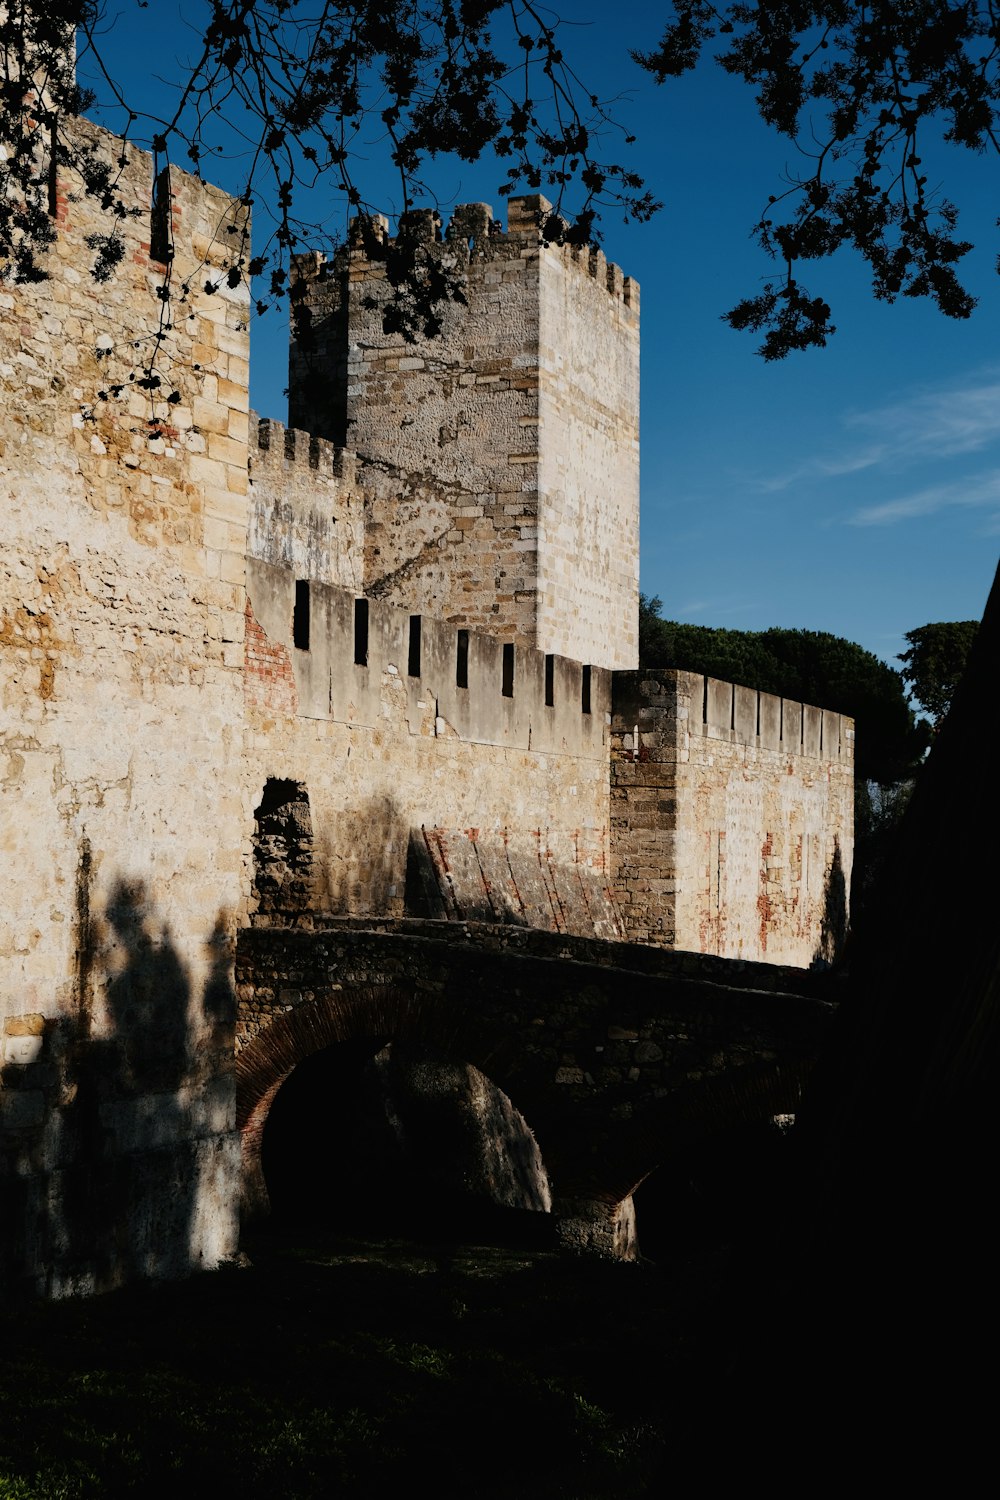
(731, 819)
(499, 462)
(252, 677)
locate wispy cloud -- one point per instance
(721, 605)
(926, 426)
(974, 490)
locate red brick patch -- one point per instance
(268, 679)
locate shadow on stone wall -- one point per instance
(425, 898)
(355, 867)
(833, 922)
(363, 860)
(123, 1148)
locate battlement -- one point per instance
(305, 509)
(347, 651)
(653, 708)
(474, 235)
(745, 716)
(275, 448)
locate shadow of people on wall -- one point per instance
(127, 1199)
(136, 1133)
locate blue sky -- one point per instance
(854, 489)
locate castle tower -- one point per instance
(499, 459)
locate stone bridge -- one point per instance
(619, 1057)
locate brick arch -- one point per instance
(355, 1012)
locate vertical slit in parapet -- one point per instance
(160, 226)
(300, 615)
(757, 730)
(462, 659)
(413, 654)
(585, 690)
(704, 700)
(732, 707)
(507, 686)
(550, 685)
(361, 632)
(781, 721)
(53, 172)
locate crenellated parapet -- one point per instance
(277, 449)
(305, 509)
(474, 234)
(352, 660)
(746, 716)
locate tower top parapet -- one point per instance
(474, 234)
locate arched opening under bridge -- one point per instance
(366, 1109)
(402, 1139)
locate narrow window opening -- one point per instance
(300, 615)
(462, 660)
(413, 656)
(161, 239)
(508, 671)
(704, 700)
(732, 707)
(53, 172)
(757, 730)
(585, 690)
(361, 632)
(781, 720)
(550, 682)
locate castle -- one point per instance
(381, 661)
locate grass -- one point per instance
(338, 1367)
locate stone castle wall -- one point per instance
(499, 461)
(242, 683)
(588, 481)
(305, 510)
(731, 819)
(424, 794)
(121, 627)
